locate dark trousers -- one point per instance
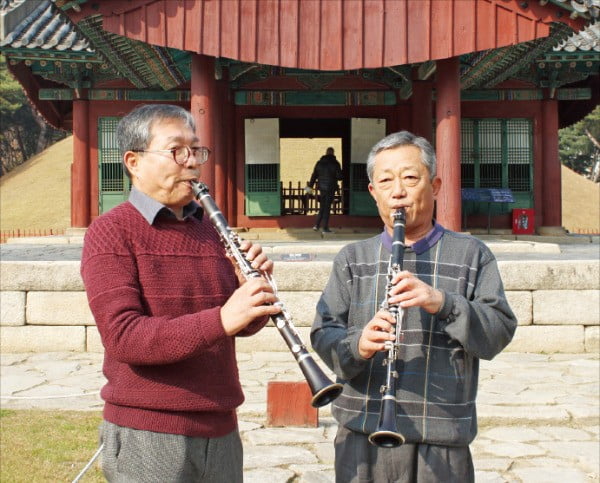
(358, 461)
(134, 456)
(325, 201)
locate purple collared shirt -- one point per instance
(420, 246)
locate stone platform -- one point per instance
(552, 284)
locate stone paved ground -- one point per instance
(538, 414)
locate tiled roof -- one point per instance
(8, 5)
(489, 68)
(41, 24)
(586, 40)
(589, 8)
(45, 28)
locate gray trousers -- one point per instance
(130, 455)
(358, 461)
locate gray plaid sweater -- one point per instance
(439, 357)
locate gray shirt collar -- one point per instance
(149, 208)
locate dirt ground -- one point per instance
(580, 203)
(37, 194)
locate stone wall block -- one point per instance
(58, 308)
(521, 304)
(557, 306)
(93, 342)
(552, 307)
(301, 306)
(548, 339)
(40, 275)
(557, 275)
(12, 308)
(592, 339)
(42, 339)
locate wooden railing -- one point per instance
(295, 201)
(20, 233)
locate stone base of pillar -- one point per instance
(551, 231)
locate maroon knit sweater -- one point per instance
(155, 292)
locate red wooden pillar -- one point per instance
(447, 144)
(220, 157)
(551, 197)
(229, 152)
(422, 115)
(80, 169)
(538, 165)
(202, 107)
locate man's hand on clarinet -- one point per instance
(407, 291)
(251, 301)
(410, 291)
(258, 259)
(376, 333)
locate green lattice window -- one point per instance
(360, 180)
(113, 183)
(262, 177)
(519, 154)
(262, 190)
(497, 153)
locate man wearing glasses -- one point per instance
(168, 305)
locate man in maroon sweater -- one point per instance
(168, 304)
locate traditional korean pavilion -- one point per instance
(489, 82)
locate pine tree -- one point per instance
(579, 146)
(11, 94)
(23, 133)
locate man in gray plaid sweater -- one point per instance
(456, 314)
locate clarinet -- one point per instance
(387, 435)
(323, 390)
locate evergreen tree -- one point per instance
(11, 94)
(23, 133)
(579, 145)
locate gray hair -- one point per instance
(404, 138)
(134, 131)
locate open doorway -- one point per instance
(298, 158)
(280, 155)
(305, 141)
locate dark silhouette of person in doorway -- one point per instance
(326, 174)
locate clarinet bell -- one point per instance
(321, 387)
(387, 435)
(325, 395)
(386, 439)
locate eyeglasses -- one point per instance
(182, 153)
